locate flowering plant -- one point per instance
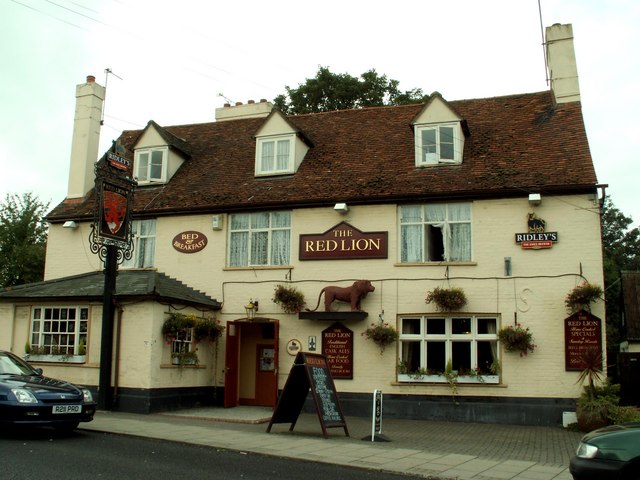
(176, 324)
(289, 298)
(517, 339)
(382, 334)
(581, 296)
(447, 299)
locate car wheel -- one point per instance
(67, 427)
(632, 471)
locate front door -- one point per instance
(251, 363)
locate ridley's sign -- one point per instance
(189, 242)
(536, 237)
(341, 242)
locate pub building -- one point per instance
(494, 197)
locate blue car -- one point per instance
(29, 398)
(611, 452)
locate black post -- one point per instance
(106, 344)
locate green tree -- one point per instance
(341, 91)
(621, 251)
(23, 239)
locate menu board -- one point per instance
(310, 371)
(582, 331)
(337, 347)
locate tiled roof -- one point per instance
(631, 304)
(517, 144)
(130, 284)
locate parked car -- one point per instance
(29, 398)
(611, 452)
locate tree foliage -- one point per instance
(23, 239)
(621, 251)
(341, 91)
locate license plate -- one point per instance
(67, 409)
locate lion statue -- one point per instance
(351, 295)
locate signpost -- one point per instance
(376, 419)
(310, 371)
(111, 239)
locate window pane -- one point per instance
(461, 357)
(267, 160)
(410, 355)
(411, 326)
(487, 355)
(411, 243)
(486, 326)
(280, 247)
(435, 243)
(156, 165)
(446, 143)
(436, 326)
(429, 140)
(283, 155)
(460, 244)
(280, 219)
(436, 357)
(238, 249)
(411, 214)
(435, 212)
(260, 220)
(143, 166)
(461, 326)
(259, 243)
(459, 212)
(240, 221)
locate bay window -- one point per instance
(59, 330)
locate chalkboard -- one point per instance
(310, 371)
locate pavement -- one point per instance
(436, 450)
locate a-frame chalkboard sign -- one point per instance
(309, 371)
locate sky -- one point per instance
(175, 62)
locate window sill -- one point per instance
(259, 267)
(434, 264)
(439, 379)
(56, 358)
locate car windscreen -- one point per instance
(11, 366)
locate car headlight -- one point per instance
(24, 396)
(87, 397)
(586, 451)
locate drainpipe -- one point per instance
(116, 367)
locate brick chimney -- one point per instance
(240, 111)
(86, 137)
(561, 63)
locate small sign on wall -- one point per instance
(337, 347)
(189, 242)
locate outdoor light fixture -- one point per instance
(70, 224)
(341, 207)
(535, 199)
(251, 308)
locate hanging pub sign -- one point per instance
(337, 347)
(582, 332)
(189, 242)
(343, 241)
(536, 238)
(114, 188)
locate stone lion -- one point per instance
(351, 295)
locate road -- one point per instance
(42, 453)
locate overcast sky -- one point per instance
(175, 62)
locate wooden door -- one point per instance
(231, 365)
(266, 377)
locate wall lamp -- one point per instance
(341, 207)
(70, 224)
(251, 308)
(535, 199)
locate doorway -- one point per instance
(251, 363)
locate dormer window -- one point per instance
(151, 165)
(437, 144)
(275, 155)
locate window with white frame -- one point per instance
(437, 232)
(257, 239)
(59, 330)
(182, 343)
(439, 144)
(151, 165)
(144, 244)
(274, 155)
(428, 343)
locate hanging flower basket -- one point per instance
(382, 335)
(176, 324)
(581, 297)
(517, 339)
(447, 299)
(207, 330)
(289, 298)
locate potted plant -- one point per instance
(207, 330)
(185, 358)
(517, 339)
(581, 297)
(447, 299)
(592, 408)
(289, 298)
(382, 335)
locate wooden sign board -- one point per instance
(337, 347)
(310, 371)
(582, 331)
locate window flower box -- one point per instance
(441, 379)
(55, 358)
